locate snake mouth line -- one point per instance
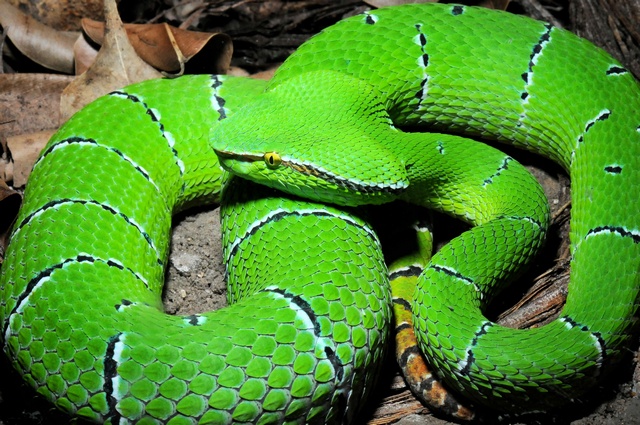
(243, 157)
(308, 169)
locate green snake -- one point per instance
(302, 341)
(328, 128)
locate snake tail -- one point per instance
(423, 382)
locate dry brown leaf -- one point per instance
(236, 71)
(168, 48)
(116, 65)
(29, 102)
(10, 201)
(85, 54)
(387, 3)
(61, 15)
(267, 74)
(24, 149)
(495, 4)
(40, 43)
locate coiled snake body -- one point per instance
(80, 287)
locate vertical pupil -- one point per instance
(271, 159)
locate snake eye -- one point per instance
(272, 159)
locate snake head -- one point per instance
(320, 136)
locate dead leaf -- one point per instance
(237, 72)
(168, 48)
(61, 15)
(10, 201)
(28, 105)
(24, 150)
(40, 43)
(495, 4)
(30, 102)
(116, 65)
(387, 3)
(267, 74)
(85, 54)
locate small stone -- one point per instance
(185, 262)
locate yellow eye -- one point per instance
(272, 159)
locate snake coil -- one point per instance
(80, 287)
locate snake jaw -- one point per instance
(227, 158)
(286, 174)
(238, 164)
